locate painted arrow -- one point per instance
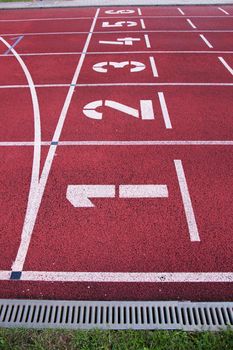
(78, 195)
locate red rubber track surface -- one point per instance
(118, 235)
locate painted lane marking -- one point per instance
(100, 17)
(114, 84)
(119, 12)
(145, 111)
(206, 41)
(120, 32)
(128, 41)
(153, 67)
(24, 245)
(18, 39)
(119, 24)
(182, 12)
(164, 109)
(36, 153)
(226, 13)
(191, 23)
(119, 53)
(226, 65)
(152, 277)
(143, 191)
(187, 203)
(139, 12)
(119, 143)
(102, 67)
(5, 275)
(145, 143)
(78, 195)
(146, 36)
(142, 24)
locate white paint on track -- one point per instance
(24, 245)
(105, 17)
(143, 191)
(152, 277)
(37, 149)
(5, 275)
(187, 203)
(224, 11)
(226, 65)
(147, 40)
(119, 53)
(182, 12)
(120, 32)
(191, 23)
(142, 24)
(122, 143)
(206, 41)
(153, 67)
(164, 109)
(114, 84)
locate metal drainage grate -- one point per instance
(189, 316)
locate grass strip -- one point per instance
(28, 339)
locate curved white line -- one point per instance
(37, 147)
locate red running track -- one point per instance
(126, 192)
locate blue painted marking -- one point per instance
(54, 143)
(15, 275)
(72, 84)
(19, 38)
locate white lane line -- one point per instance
(22, 143)
(182, 12)
(187, 203)
(226, 13)
(226, 65)
(107, 17)
(119, 32)
(5, 275)
(153, 67)
(23, 248)
(118, 53)
(164, 109)
(36, 85)
(120, 143)
(143, 191)
(114, 84)
(147, 41)
(151, 277)
(37, 148)
(142, 24)
(191, 23)
(206, 41)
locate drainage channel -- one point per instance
(188, 316)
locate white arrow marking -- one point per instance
(143, 191)
(78, 195)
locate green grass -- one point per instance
(21, 339)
